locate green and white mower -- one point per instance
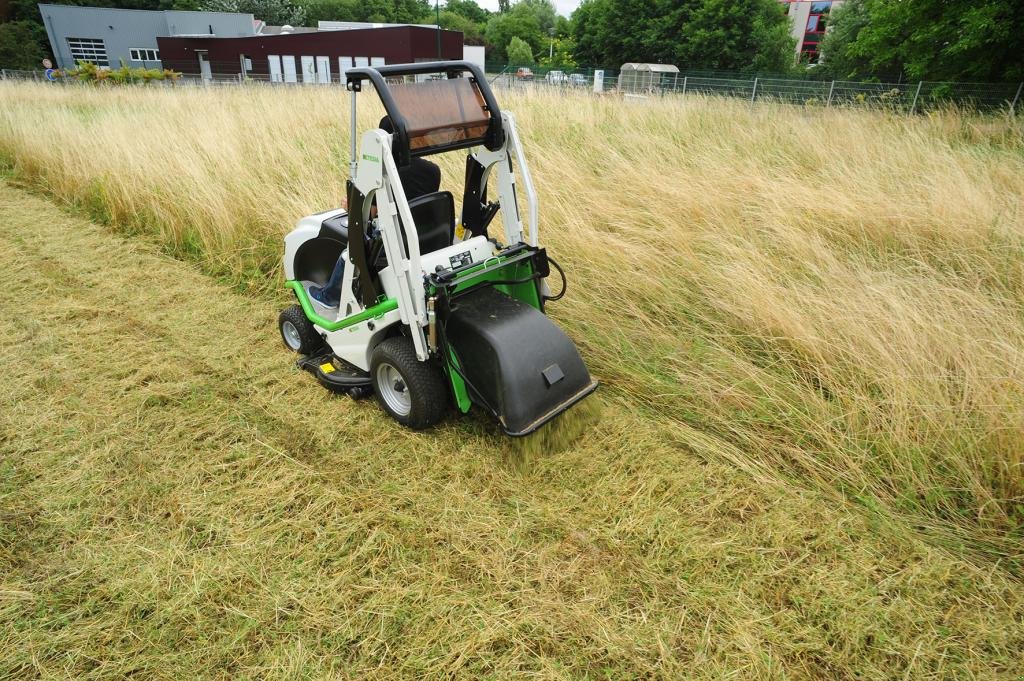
(429, 317)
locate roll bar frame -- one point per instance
(377, 75)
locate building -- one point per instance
(317, 57)
(233, 45)
(349, 25)
(808, 22)
(111, 37)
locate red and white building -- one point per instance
(808, 22)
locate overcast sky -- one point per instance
(563, 7)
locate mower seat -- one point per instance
(434, 215)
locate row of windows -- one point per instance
(144, 54)
(314, 69)
(94, 51)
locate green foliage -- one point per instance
(533, 21)
(927, 40)
(399, 11)
(88, 72)
(274, 12)
(562, 57)
(519, 53)
(747, 35)
(472, 32)
(23, 45)
(468, 9)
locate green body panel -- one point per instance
(381, 308)
(462, 399)
(526, 292)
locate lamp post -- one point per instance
(551, 46)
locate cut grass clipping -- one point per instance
(806, 462)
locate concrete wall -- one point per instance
(124, 29)
(475, 54)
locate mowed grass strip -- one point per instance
(178, 501)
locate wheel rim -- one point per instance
(393, 390)
(290, 333)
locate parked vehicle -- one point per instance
(578, 80)
(524, 73)
(557, 77)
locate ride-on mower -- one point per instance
(428, 315)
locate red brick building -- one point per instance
(310, 57)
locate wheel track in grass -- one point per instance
(176, 499)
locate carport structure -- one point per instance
(637, 77)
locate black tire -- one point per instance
(419, 397)
(305, 340)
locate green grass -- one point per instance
(179, 501)
(805, 461)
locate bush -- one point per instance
(87, 72)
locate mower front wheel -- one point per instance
(297, 331)
(411, 391)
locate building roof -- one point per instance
(284, 30)
(656, 68)
(355, 25)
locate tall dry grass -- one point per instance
(832, 297)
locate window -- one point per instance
(812, 23)
(91, 50)
(144, 54)
(820, 7)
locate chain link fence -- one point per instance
(907, 97)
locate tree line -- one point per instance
(867, 39)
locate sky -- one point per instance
(563, 7)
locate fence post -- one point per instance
(685, 78)
(913, 107)
(753, 94)
(675, 83)
(831, 89)
(1016, 98)
(3, 75)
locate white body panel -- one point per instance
(376, 177)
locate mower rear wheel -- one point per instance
(297, 332)
(411, 391)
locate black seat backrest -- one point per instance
(434, 215)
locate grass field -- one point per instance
(807, 460)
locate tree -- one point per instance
(501, 28)
(561, 57)
(468, 9)
(274, 12)
(928, 40)
(23, 45)
(472, 32)
(748, 35)
(519, 53)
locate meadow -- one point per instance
(808, 457)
